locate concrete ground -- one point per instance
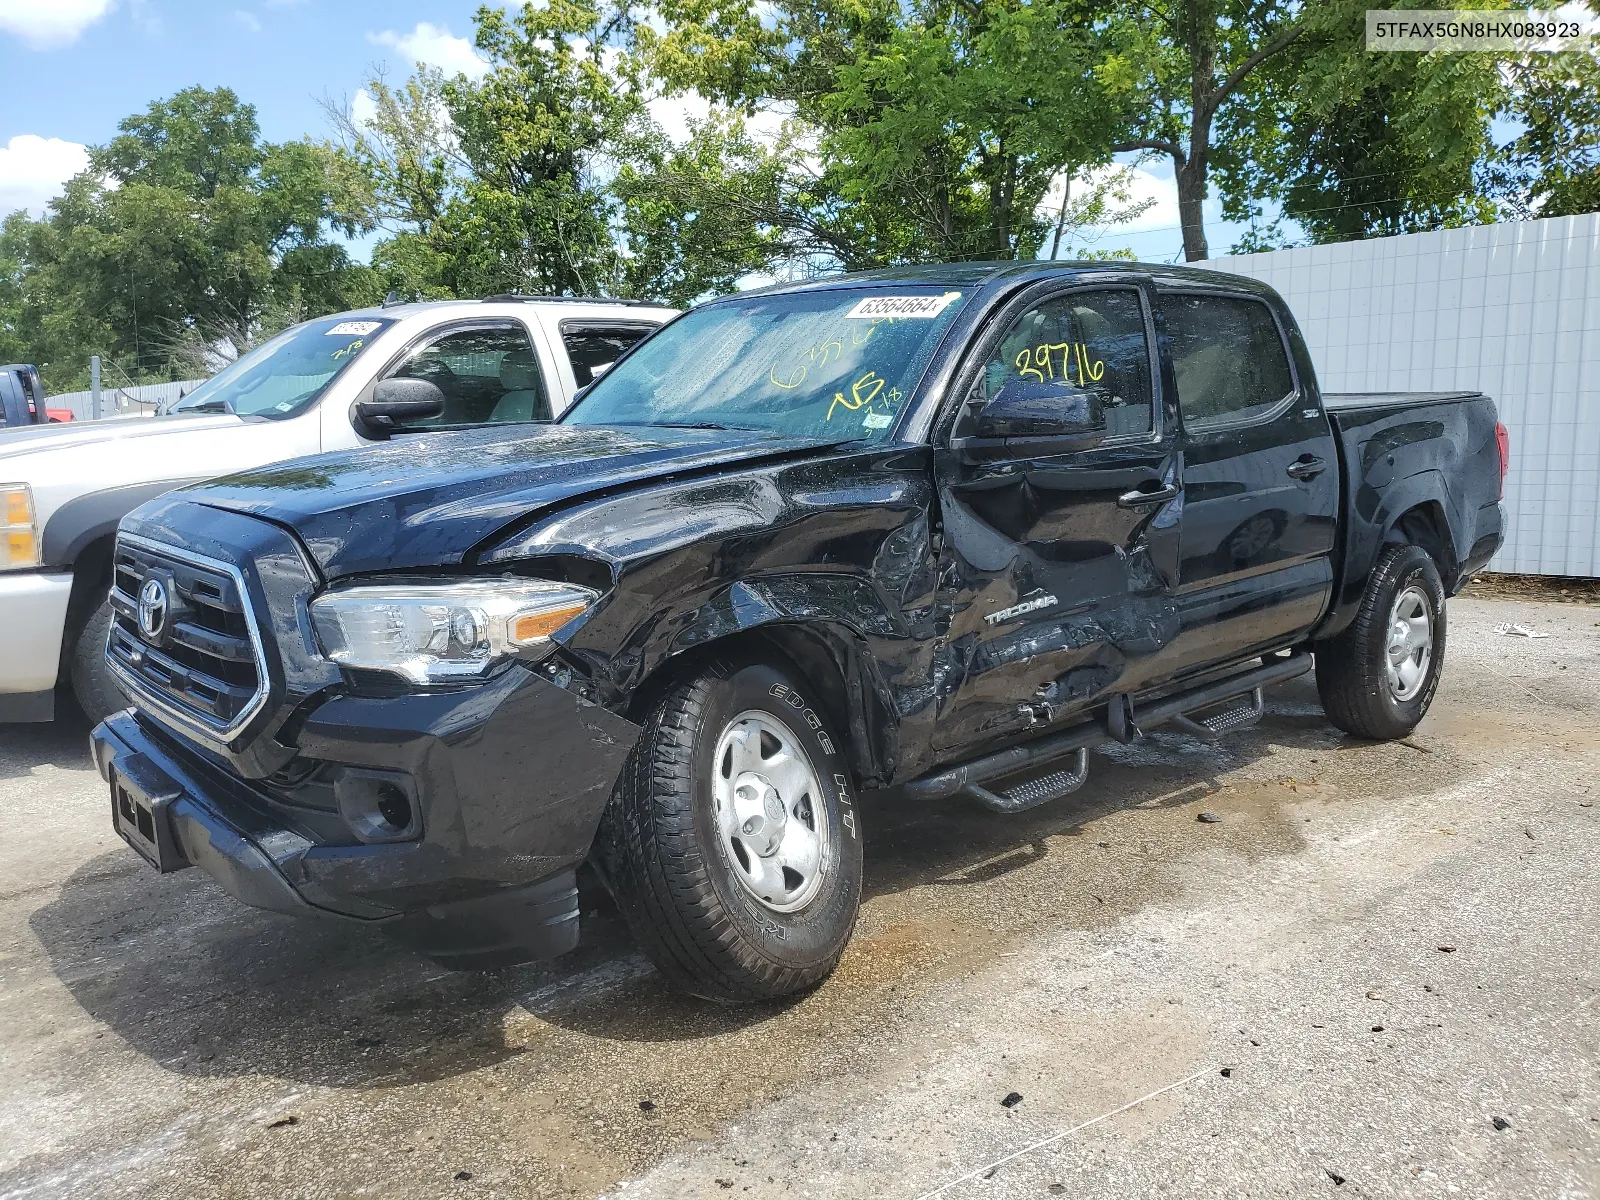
(1378, 957)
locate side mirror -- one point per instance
(395, 402)
(1030, 408)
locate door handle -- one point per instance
(1138, 498)
(1307, 466)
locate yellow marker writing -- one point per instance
(862, 393)
(796, 377)
(1023, 361)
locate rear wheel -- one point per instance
(1378, 677)
(93, 687)
(732, 843)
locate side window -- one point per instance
(1094, 341)
(593, 348)
(487, 375)
(1228, 357)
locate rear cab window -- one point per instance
(592, 346)
(1228, 357)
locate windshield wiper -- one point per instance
(206, 406)
(689, 425)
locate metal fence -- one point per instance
(124, 401)
(1513, 310)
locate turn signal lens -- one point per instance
(19, 539)
(536, 626)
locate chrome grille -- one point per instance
(205, 668)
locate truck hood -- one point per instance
(429, 501)
(76, 435)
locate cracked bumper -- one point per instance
(501, 787)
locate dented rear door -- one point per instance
(1060, 555)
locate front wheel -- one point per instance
(732, 843)
(96, 692)
(1378, 677)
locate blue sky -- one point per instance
(74, 68)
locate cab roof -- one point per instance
(1010, 274)
(411, 307)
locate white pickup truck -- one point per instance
(333, 383)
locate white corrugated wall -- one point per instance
(1513, 310)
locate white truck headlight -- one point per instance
(19, 534)
(444, 632)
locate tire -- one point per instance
(687, 886)
(1359, 692)
(93, 687)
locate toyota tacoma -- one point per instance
(942, 529)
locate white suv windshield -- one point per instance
(825, 363)
(281, 377)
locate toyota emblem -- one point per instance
(154, 604)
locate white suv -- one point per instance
(330, 384)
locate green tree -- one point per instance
(1552, 167)
(1183, 68)
(1356, 144)
(404, 171)
(696, 218)
(499, 184)
(547, 176)
(928, 130)
(534, 214)
(187, 239)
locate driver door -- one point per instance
(1061, 543)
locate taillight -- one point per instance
(1502, 440)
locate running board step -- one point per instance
(1242, 715)
(1031, 793)
(1119, 723)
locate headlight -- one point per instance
(445, 632)
(19, 539)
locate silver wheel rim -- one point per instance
(1410, 650)
(772, 823)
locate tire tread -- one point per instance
(654, 867)
(1350, 675)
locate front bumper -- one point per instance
(33, 616)
(503, 786)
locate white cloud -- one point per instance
(676, 113)
(363, 108)
(433, 45)
(1143, 186)
(33, 169)
(46, 24)
(249, 20)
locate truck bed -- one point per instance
(1432, 454)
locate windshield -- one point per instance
(279, 378)
(813, 364)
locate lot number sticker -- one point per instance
(878, 308)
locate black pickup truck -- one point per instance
(943, 529)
